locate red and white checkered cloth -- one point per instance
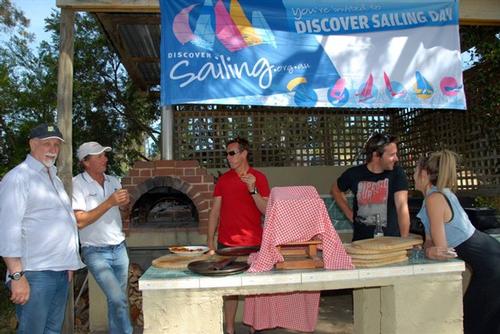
(293, 214)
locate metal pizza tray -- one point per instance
(208, 268)
(237, 251)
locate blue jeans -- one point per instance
(109, 266)
(44, 311)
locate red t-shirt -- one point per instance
(240, 219)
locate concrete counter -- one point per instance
(402, 298)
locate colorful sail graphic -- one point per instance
(422, 87)
(394, 93)
(181, 28)
(366, 92)
(338, 95)
(204, 33)
(262, 29)
(244, 26)
(226, 30)
(337, 92)
(449, 86)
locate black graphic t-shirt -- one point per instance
(373, 195)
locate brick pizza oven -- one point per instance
(182, 182)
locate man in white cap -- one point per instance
(39, 237)
(98, 199)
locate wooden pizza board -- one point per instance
(378, 263)
(381, 251)
(384, 244)
(352, 250)
(375, 256)
(174, 261)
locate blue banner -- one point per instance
(321, 53)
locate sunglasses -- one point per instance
(232, 153)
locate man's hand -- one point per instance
(20, 291)
(119, 198)
(249, 179)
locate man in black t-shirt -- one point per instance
(380, 189)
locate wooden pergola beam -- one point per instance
(115, 6)
(479, 12)
(472, 12)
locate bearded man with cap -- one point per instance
(98, 199)
(39, 237)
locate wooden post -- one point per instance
(64, 122)
(65, 97)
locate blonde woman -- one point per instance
(447, 225)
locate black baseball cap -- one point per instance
(46, 131)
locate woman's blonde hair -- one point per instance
(441, 167)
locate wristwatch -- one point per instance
(254, 192)
(16, 276)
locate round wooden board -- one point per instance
(376, 256)
(379, 263)
(173, 261)
(387, 243)
(353, 250)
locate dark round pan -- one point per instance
(237, 251)
(208, 268)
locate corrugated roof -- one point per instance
(136, 38)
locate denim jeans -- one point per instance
(44, 311)
(109, 266)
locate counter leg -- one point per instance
(431, 304)
(181, 313)
(366, 309)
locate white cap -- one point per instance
(91, 148)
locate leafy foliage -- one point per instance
(481, 82)
(12, 18)
(106, 106)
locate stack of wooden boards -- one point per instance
(381, 251)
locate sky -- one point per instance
(36, 11)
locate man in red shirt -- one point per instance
(240, 200)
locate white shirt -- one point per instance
(87, 195)
(36, 220)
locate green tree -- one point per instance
(12, 18)
(107, 107)
(481, 81)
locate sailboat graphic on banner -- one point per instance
(366, 92)
(263, 29)
(203, 30)
(232, 28)
(338, 95)
(449, 86)
(422, 87)
(181, 28)
(227, 32)
(243, 25)
(394, 89)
